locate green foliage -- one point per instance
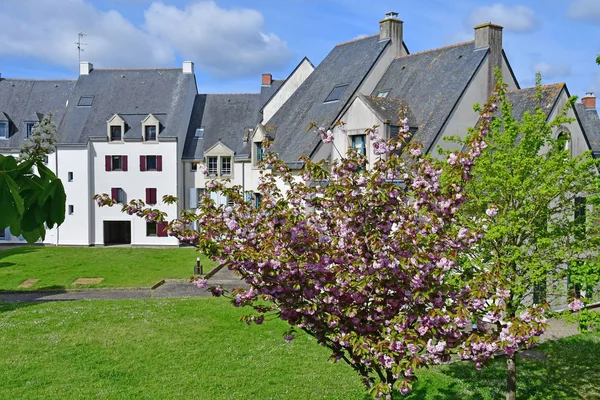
(528, 175)
(32, 198)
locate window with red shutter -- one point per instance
(151, 196)
(162, 229)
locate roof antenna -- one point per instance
(80, 45)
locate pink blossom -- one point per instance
(492, 211)
(201, 283)
(576, 305)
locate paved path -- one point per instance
(170, 289)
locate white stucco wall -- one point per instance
(302, 72)
(134, 182)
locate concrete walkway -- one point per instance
(172, 288)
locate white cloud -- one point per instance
(222, 42)
(517, 19)
(48, 29)
(586, 10)
(550, 71)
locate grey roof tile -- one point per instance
(348, 63)
(24, 99)
(392, 110)
(225, 118)
(432, 81)
(132, 94)
(591, 125)
(526, 99)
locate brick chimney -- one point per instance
(267, 79)
(489, 36)
(85, 68)
(589, 100)
(391, 27)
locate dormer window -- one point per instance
(116, 133)
(28, 129)
(150, 128)
(336, 93)
(258, 146)
(3, 129)
(116, 128)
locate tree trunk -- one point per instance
(511, 378)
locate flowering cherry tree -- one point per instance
(361, 256)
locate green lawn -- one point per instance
(197, 349)
(58, 267)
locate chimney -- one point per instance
(391, 28)
(267, 79)
(85, 68)
(589, 100)
(489, 36)
(188, 67)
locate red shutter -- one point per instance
(161, 229)
(114, 193)
(159, 163)
(124, 162)
(148, 196)
(142, 163)
(107, 163)
(153, 191)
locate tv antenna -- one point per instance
(80, 45)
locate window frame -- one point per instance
(71, 209)
(364, 142)
(155, 134)
(29, 128)
(334, 96)
(119, 160)
(154, 226)
(70, 176)
(222, 168)
(199, 133)
(212, 171)
(193, 167)
(7, 130)
(112, 136)
(87, 97)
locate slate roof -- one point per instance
(132, 94)
(26, 100)
(392, 110)
(225, 118)
(591, 125)
(526, 99)
(433, 82)
(348, 63)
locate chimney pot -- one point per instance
(267, 79)
(188, 67)
(85, 68)
(391, 28)
(589, 100)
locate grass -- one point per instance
(58, 267)
(197, 348)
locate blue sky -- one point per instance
(233, 41)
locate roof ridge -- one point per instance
(135, 69)
(437, 49)
(550, 85)
(357, 39)
(39, 80)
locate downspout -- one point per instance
(56, 166)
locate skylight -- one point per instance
(85, 101)
(199, 133)
(383, 93)
(336, 93)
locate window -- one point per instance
(199, 133)
(336, 93)
(156, 229)
(115, 163)
(383, 93)
(70, 176)
(85, 101)
(3, 129)
(115, 133)
(46, 160)
(358, 143)
(71, 209)
(149, 132)
(2, 234)
(118, 195)
(257, 198)
(213, 165)
(150, 163)
(259, 151)
(28, 129)
(579, 216)
(563, 142)
(225, 165)
(194, 167)
(200, 195)
(151, 196)
(151, 229)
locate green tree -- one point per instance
(530, 196)
(32, 198)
